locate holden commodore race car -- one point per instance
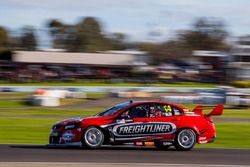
(161, 123)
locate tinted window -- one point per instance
(164, 110)
(156, 111)
(139, 111)
(114, 109)
(177, 111)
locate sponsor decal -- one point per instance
(139, 143)
(69, 127)
(202, 140)
(144, 129)
(68, 136)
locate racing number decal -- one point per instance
(167, 108)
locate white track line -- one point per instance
(47, 164)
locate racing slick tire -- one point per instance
(185, 139)
(92, 137)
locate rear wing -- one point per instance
(218, 110)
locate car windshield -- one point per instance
(114, 109)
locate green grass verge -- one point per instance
(65, 102)
(32, 125)
(25, 130)
(228, 112)
(15, 94)
(13, 103)
(23, 103)
(50, 112)
(36, 131)
(19, 100)
(96, 83)
(97, 95)
(236, 113)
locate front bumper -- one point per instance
(69, 137)
(73, 144)
(54, 139)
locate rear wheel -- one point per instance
(185, 139)
(92, 137)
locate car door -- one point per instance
(142, 121)
(130, 121)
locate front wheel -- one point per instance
(92, 137)
(185, 140)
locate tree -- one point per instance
(169, 51)
(55, 26)
(118, 41)
(206, 34)
(147, 46)
(28, 39)
(89, 36)
(3, 39)
(85, 36)
(57, 31)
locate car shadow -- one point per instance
(106, 147)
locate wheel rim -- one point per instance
(186, 138)
(93, 137)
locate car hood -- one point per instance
(73, 120)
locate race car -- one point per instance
(161, 123)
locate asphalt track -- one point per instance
(41, 153)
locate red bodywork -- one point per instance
(71, 131)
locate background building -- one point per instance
(239, 64)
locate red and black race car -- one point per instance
(161, 123)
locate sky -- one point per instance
(139, 19)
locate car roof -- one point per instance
(160, 102)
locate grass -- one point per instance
(97, 95)
(45, 111)
(19, 100)
(36, 131)
(32, 125)
(65, 102)
(236, 113)
(15, 94)
(25, 130)
(49, 112)
(13, 103)
(23, 103)
(105, 83)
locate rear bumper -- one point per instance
(212, 140)
(203, 140)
